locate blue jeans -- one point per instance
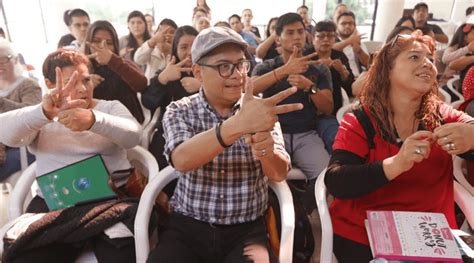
(12, 162)
(326, 128)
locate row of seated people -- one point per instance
(201, 151)
(293, 69)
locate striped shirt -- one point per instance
(230, 189)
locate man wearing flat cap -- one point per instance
(225, 145)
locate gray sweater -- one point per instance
(24, 92)
(55, 146)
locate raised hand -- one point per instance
(258, 115)
(58, 98)
(100, 52)
(173, 70)
(415, 149)
(299, 81)
(298, 64)
(125, 51)
(337, 65)
(356, 38)
(191, 84)
(455, 138)
(96, 79)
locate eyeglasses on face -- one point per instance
(79, 25)
(325, 35)
(5, 59)
(227, 69)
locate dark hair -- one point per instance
(2, 32)
(405, 18)
(469, 10)
(420, 5)
(286, 19)
(326, 26)
(65, 40)
(348, 13)
(267, 31)
(397, 31)
(205, 6)
(132, 41)
(459, 35)
(222, 24)
(303, 6)
(69, 14)
(152, 17)
(101, 25)
(62, 58)
(180, 32)
(167, 21)
(375, 93)
(234, 15)
(200, 9)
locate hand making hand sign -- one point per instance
(260, 115)
(58, 99)
(100, 52)
(298, 64)
(173, 70)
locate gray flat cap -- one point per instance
(212, 37)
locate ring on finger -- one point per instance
(264, 152)
(451, 146)
(418, 150)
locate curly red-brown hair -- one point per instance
(375, 93)
(62, 58)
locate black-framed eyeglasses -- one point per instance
(227, 69)
(326, 35)
(5, 59)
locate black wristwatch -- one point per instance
(313, 89)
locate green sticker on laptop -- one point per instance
(81, 182)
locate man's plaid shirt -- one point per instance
(231, 189)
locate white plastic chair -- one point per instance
(138, 157)
(451, 84)
(149, 128)
(142, 242)
(320, 193)
(447, 97)
(372, 46)
(457, 103)
(342, 111)
(345, 97)
(462, 197)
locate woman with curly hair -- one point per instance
(394, 152)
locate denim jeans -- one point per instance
(326, 128)
(12, 162)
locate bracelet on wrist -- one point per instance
(219, 136)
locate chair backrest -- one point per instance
(447, 97)
(345, 97)
(156, 184)
(456, 104)
(453, 85)
(460, 175)
(342, 111)
(320, 193)
(149, 128)
(373, 46)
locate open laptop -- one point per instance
(82, 182)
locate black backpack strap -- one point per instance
(366, 124)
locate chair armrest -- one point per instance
(287, 211)
(326, 224)
(465, 201)
(145, 158)
(20, 191)
(147, 200)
